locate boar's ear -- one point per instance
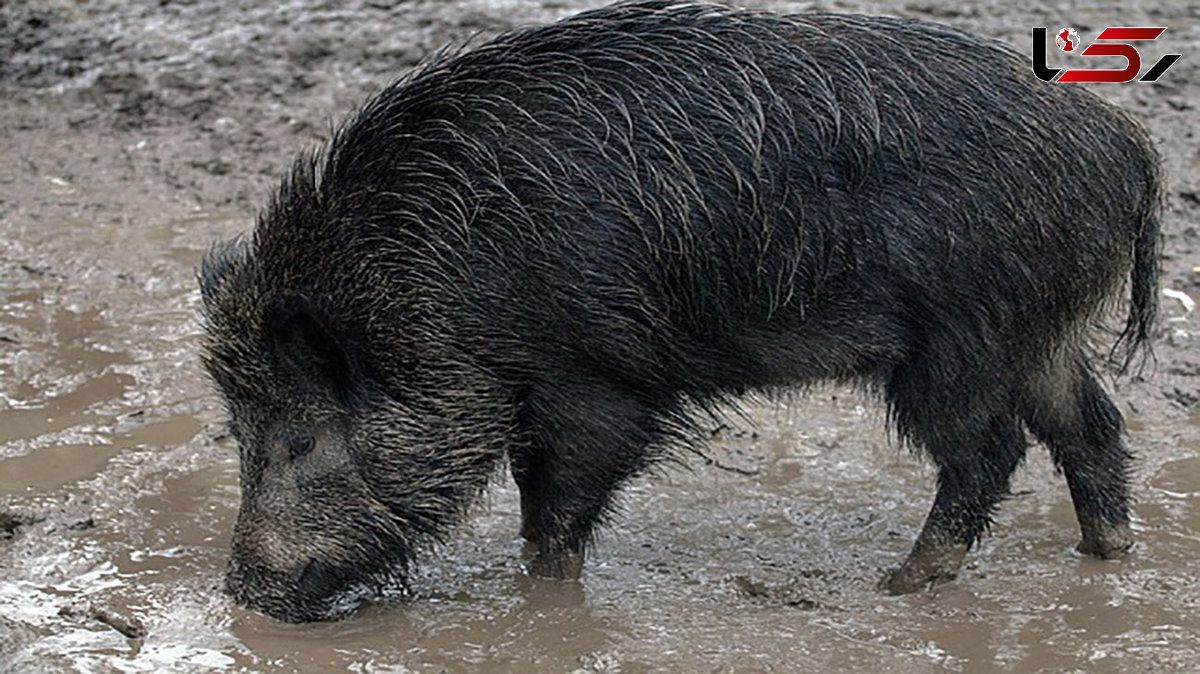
(304, 341)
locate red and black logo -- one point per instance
(1112, 41)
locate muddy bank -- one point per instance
(135, 136)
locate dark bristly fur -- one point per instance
(563, 245)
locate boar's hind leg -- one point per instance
(1068, 411)
(582, 444)
(970, 430)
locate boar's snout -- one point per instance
(309, 591)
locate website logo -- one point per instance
(1112, 41)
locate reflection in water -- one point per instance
(513, 622)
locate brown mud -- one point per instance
(134, 134)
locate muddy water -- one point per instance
(764, 556)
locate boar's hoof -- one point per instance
(554, 565)
(1106, 541)
(924, 568)
(906, 581)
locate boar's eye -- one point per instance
(299, 444)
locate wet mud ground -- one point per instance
(134, 134)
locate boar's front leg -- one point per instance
(582, 440)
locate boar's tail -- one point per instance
(1134, 340)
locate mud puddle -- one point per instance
(762, 556)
